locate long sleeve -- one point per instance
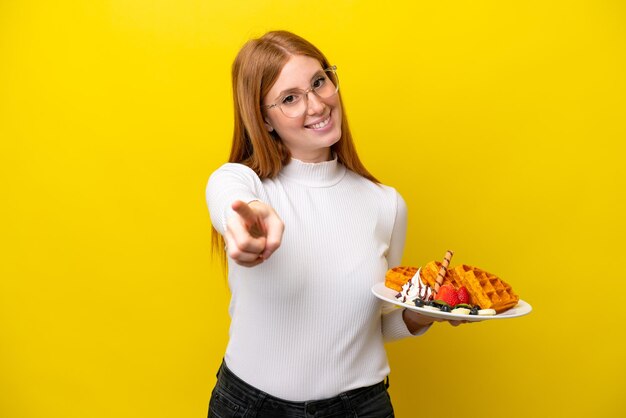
(393, 324)
(398, 235)
(229, 183)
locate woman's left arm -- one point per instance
(415, 323)
(401, 323)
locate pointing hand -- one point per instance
(253, 233)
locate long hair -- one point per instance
(255, 70)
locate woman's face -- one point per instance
(310, 136)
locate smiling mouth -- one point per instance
(319, 125)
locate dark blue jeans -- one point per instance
(234, 398)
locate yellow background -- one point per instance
(501, 123)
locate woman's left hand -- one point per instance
(414, 320)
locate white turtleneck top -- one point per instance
(305, 324)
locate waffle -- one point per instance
(486, 290)
(398, 276)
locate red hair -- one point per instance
(255, 70)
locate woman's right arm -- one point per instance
(251, 228)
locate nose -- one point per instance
(316, 105)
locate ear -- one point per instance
(268, 126)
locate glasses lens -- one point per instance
(326, 85)
(294, 105)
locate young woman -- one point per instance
(307, 232)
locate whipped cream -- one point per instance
(414, 288)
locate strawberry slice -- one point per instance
(448, 294)
(463, 295)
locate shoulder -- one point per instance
(234, 172)
(231, 176)
(234, 168)
(382, 191)
(385, 195)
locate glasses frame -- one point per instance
(334, 79)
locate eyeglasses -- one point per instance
(294, 103)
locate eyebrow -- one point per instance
(282, 93)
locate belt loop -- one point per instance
(346, 403)
(387, 382)
(257, 405)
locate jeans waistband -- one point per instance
(256, 398)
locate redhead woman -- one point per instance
(307, 231)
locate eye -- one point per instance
(318, 82)
(290, 99)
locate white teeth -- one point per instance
(320, 125)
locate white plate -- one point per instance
(389, 295)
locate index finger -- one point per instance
(245, 211)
